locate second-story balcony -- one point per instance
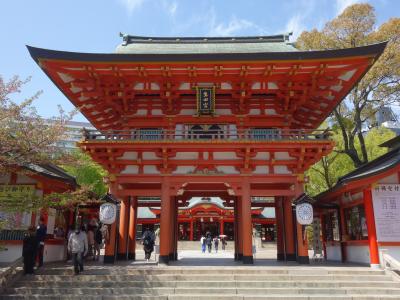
(162, 135)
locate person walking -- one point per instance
(209, 242)
(203, 243)
(90, 237)
(29, 249)
(98, 241)
(78, 247)
(41, 232)
(223, 242)
(148, 240)
(216, 243)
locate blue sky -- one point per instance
(94, 26)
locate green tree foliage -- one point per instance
(324, 174)
(87, 172)
(356, 26)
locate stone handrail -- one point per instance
(388, 262)
(10, 273)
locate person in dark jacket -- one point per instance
(209, 242)
(148, 240)
(29, 249)
(41, 232)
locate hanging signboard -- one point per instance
(205, 100)
(16, 191)
(304, 213)
(386, 202)
(317, 243)
(108, 213)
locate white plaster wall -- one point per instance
(184, 169)
(156, 112)
(223, 112)
(390, 179)
(261, 170)
(141, 112)
(186, 155)
(358, 254)
(225, 155)
(129, 155)
(5, 179)
(150, 170)
(12, 253)
(270, 111)
(282, 156)
(184, 86)
(281, 170)
(262, 155)
(333, 253)
(149, 155)
(255, 112)
(53, 253)
(130, 170)
(227, 169)
(22, 179)
(226, 86)
(393, 251)
(187, 112)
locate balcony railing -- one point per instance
(175, 135)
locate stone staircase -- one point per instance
(184, 283)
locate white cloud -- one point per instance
(131, 5)
(172, 9)
(342, 4)
(233, 26)
(295, 25)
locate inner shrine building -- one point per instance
(228, 117)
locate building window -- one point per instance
(332, 226)
(356, 225)
(264, 133)
(149, 133)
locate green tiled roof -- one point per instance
(203, 45)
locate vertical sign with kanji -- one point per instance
(205, 100)
(386, 201)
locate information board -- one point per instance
(386, 201)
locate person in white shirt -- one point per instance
(78, 247)
(203, 244)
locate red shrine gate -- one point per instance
(233, 118)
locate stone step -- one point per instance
(212, 270)
(230, 284)
(200, 277)
(200, 291)
(203, 297)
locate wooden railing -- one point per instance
(198, 135)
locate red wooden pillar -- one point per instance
(191, 229)
(247, 227)
(221, 226)
(235, 228)
(109, 253)
(289, 233)
(279, 229)
(165, 222)
(239, 228)
(132, 228)
(123, 229)
(343, 233)
(370, 218)
(302, 243)
(175, 232)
